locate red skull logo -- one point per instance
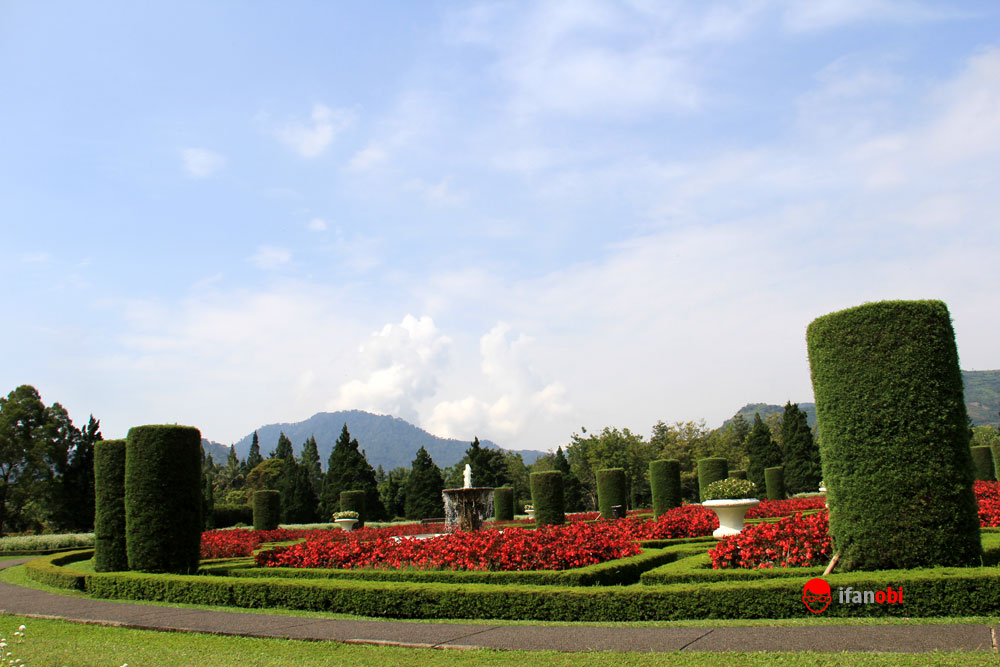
(816, 595)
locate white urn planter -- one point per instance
(346, 524)
(530, 513)
(730, 513)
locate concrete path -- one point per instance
(890, 638)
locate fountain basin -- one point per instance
(466, 509)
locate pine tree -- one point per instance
(488, 466)
(310, 459)
(284, 449)
(348, 470)
(78, 482)
(762, 451)
(392, 490)
(254, 458)
(799, 451)
(423, 488)
(298, 500)
(572, 492)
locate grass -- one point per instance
(52, 642)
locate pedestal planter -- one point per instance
(530, 513)
(730, 513)
(346, 524)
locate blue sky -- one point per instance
(507, 220)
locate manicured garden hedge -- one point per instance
(230, 515)
(547, 498)
(711, 470)
(774, 478)
(982, 461)
(665, 484)
(894, 436)
(738, 474)
(266, 509)
(610, 490)
(163, 498)
(110, 553)
(503, 503)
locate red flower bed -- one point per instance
(772, 508)
(796, 541)
(547, 548)
(988, 497)
(683, 521)
(240, 542)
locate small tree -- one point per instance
(254, 458)
(423, 488)
(799, 452)
(762, 451)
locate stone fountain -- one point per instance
(467, 508)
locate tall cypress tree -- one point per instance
(800, 452)
(298, 500)
(310, 459)
(572, 491)
(349, 470)
(78, 482)
(762, 451)
(254, 458)
(284, 450)
(423, 488)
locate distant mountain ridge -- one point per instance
(387, 441)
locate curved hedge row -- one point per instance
(110, 553)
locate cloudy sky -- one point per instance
(506, 219)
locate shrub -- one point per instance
(775, 480)
(227, 515)
(982, 461)
(547, 498)
(110, 553)
(665, 484)
(349, 514)
(503, 503)
(163, 498)
(354, 501)
(730, 489)
(711, 470)
(894, 436)
(610, 490)
(738, 474)
(266, 509)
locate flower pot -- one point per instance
(530, 513)
(730, 513)
(346, 524)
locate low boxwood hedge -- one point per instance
(53, 571)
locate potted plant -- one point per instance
(730, 499)
(345, 520)
(530, 511)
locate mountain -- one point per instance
(982, 401)
(216, 450)
(387, 441)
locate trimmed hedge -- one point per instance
(894, 436)
(697, 567)
(230, 515)
(738, 474)
(711, 470)
(163, 498)
(610, 490)
(110, 553)
(547, 498)
(266, 509)
(53, 571)
(774, 478)
(503, 503)
(354, 501)
(982, 462)
(665, 483)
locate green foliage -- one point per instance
(572, 492)
(348, 469)
(665, 483)
(894, 436)
(77, 510)
(489, 469)
(266, 509)
(266, 475)
(284, 449)
(775, 480)
(730, 489)
(547, 498)
(230, 515)
(688, 442)
(392, 490)
(762, 451)
(611, 485)
(503, 503)
(423, 488)
(110, 553)
(982, 461)
(798, 451)
(254, 458)
(738, 474)
(298, 500)
(611, 448)
(310, 459)
(354, 501)
(163, 498)
(710, 470)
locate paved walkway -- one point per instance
(893, 638)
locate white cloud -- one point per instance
(270, 257)
(367, 159)
(436, 194)
(317, 225)
(201, 162)
(310, 139)
(824, 14)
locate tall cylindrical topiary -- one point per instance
(110, 554)
(610, 490)
(774, 478)
(354, 501)
(547, 498)
(665, 484)
(738, 474)
(894, 436)
(996, 458)
(982, 462)
(711, 470)
(266, 509)
(503, 503)
(163, 498)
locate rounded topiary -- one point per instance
(982, 461)
(711, 470)
(894, 436)
(110, 554)
(503, 503)
(354, 501)
(547, 498)
(774, 478)
(665, 484)
(266, 509)
(163, 498)
(738, 474)
(610, 490)
(730, 488)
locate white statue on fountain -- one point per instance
(468, 476)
